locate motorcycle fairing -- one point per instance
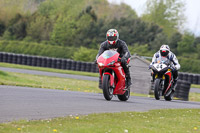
(121, 77)
(105, 58)
(120, 85)
(169, 74)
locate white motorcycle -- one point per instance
(163, 80)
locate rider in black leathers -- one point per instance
(113, 42)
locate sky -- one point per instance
(192, 12)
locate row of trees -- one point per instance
(75, 23)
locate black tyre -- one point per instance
(125, 96)
(107, 90)
(157, 89)
(182, 90)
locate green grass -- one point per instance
(37, 81)
(154, 121)
(20, 79)
(49, 69)
(195, 86)
(194, 97)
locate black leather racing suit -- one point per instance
(122, 49)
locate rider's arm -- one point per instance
(175, 62)
(126, 53)
(101, 50)
(154, 59)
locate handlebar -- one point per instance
(120, 59)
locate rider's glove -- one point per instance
(150, 66)
(123, 60)
(173, 69)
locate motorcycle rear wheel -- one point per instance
(107, 90)
(157, 87)
(125, 96)
(170, 96)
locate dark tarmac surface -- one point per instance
(26, 103)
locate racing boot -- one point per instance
(128, 80)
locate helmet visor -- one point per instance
(112, 38)
(164, 52)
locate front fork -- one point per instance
(112, 78)
(162, 84)
(113, 74)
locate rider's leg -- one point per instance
(153, 77)
(175, 76)
(128, 76)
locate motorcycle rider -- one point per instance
(113, 42)
(163, 54)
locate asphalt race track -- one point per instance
(26, 103)
(18, 103)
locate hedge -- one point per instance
(32, 48)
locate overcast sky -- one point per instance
(192, 12)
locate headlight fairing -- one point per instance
(100, 64)
(111, 63)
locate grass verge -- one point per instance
(169, 120)
(49, 69)
(195, 86)
(37, 81)
(194, 97)
(28, 80)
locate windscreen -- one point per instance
(108, 53)
(163, 60)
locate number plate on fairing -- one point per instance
(159, 67)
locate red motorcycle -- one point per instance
(112, 76)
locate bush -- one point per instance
(189, 65)
(32, 48)
(141, 50)
(84, 54)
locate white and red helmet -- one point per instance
(112, 36)
(164, 50)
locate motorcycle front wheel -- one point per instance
(125, 96)
(107, 90)
(157, 89)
